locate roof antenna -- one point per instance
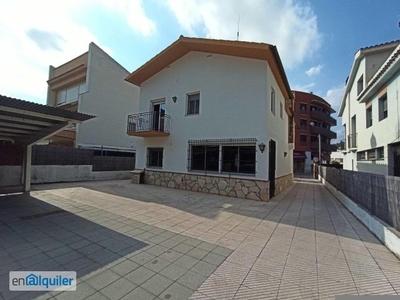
(237, 35)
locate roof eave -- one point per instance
(383, 79)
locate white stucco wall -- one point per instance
(234, 103)
(380, 134)
(111, 99)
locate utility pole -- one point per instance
(319, 141)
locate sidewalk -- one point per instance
(131, 241)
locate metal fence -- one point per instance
(378, 194)
(101, 160)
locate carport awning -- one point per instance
(26, 123)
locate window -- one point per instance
(303, 107)
(361, 155)
(369, 116)
(303, 139)
(70, 94)
(155, 157)
(193, 104)
(239, 159)
(381, 153)
(205, 158)
(272, 100)
(383, 109)
(303, 122)
(281, 110)
(223, 155)
(371, 154)
(360, 85)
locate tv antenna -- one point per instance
(237, 35)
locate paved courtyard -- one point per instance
(130, 241)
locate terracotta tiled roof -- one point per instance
(380, 45)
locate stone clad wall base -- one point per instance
(233, 187)
(282, 183)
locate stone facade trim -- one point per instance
(246, 188)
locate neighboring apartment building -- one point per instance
(313, 121)
(93, 83)
(215, 116)
(370, 111)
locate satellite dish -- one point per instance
(312, 124)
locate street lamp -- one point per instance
(262, 147)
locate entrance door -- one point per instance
(158, 116)
(272, 167)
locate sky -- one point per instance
(316, 39)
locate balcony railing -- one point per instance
(352, 141)
(149, 124)
(323, 131)
(321, 116)
(324, 146)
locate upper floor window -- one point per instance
(272, 100)
(155, 157)
(281, 110)
(383, 108)
(193, 104)
(360, 84)
(70, 94)
(303, 122)
(303, 107)
(369, 116)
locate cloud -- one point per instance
(303, 88)
(133, 12)
(289, 24)
(44, 39)
(36, 34)
(334, 96)
(314, 70)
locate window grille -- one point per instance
(236, 156)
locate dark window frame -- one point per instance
(383, 114)
(193, 105)
(273, 99)
(159, 159)
(368, 117)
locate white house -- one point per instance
(370, 111)
(93, 83)
(207, 110)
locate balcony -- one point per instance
(324, 146)
(352, 141)
(324, 117)
(323, 132)
(149, 124)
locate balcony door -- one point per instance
(158, 115)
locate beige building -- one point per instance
(93, 83)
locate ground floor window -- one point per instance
(155, 157)
(224, 156)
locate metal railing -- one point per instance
(149, 121)
(319, 115)
(352, 141)
(323, 131)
